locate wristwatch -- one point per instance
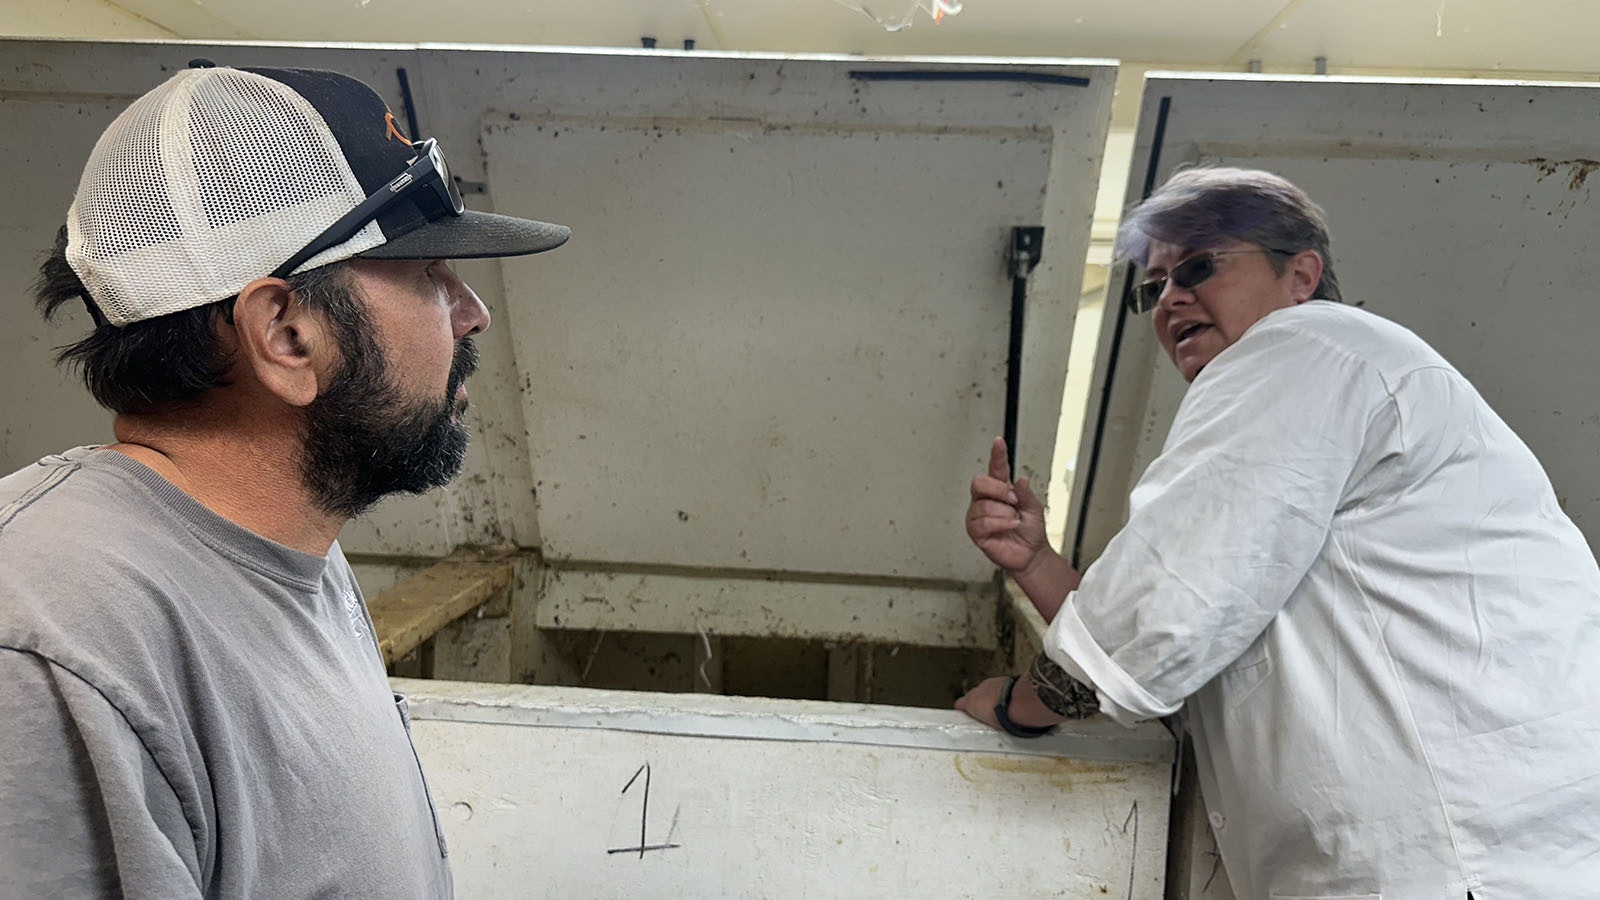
(1002, 713)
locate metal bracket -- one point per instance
(1022, 256)
(1027, 248)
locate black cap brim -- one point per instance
(473, 235)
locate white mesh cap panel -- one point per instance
(206, 183)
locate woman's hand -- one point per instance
(1005, 520)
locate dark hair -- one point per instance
(1199, 208)
(165, 363)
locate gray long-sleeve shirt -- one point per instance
(190, 710)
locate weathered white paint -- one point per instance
(732, 359)
(761, 798)
(782, 318)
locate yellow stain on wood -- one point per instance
(1064, 774)
(414, 610)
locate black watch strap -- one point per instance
(1002, 712)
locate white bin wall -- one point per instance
(552, 792)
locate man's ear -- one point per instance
(283, 342)
(1305, 273)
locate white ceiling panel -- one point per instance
(1546, 36)
(1553, 36)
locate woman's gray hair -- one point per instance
(1200, 208)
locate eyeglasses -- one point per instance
(1188, 274)
(426, 170)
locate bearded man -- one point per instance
(194, 703)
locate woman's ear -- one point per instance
(1305, 273)
(282, 341)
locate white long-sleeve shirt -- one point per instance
(1383, 630)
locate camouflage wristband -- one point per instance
(1061, 693)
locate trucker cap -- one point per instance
(221, 176)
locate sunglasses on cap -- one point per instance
(1188, 274)
(427, 178)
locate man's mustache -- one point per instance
(462, 365)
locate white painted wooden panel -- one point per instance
(543, 792)
(688, 102)
(767, 349)
(779, 342)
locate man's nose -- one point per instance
(468, 315)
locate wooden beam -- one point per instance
(414, 610)
(1028, 637)
(956, 615)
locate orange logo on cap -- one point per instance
(390, 131)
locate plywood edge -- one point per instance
(720, 606)
(415, 609)
(758, 718)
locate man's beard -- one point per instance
(366, 440)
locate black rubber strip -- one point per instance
(1116, 348)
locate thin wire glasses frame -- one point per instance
(1187, 273)
(427, 170)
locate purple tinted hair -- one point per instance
(1200, 208)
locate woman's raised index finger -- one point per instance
(999, 466)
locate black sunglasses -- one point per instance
(1188, 274)
(427, 170)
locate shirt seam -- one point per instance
(1399, 414)
(1390, 385)
(210, 540)
(248, 563)
(1416, 732)
(52, 480)
(190, 816)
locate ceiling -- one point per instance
(1555, 37)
